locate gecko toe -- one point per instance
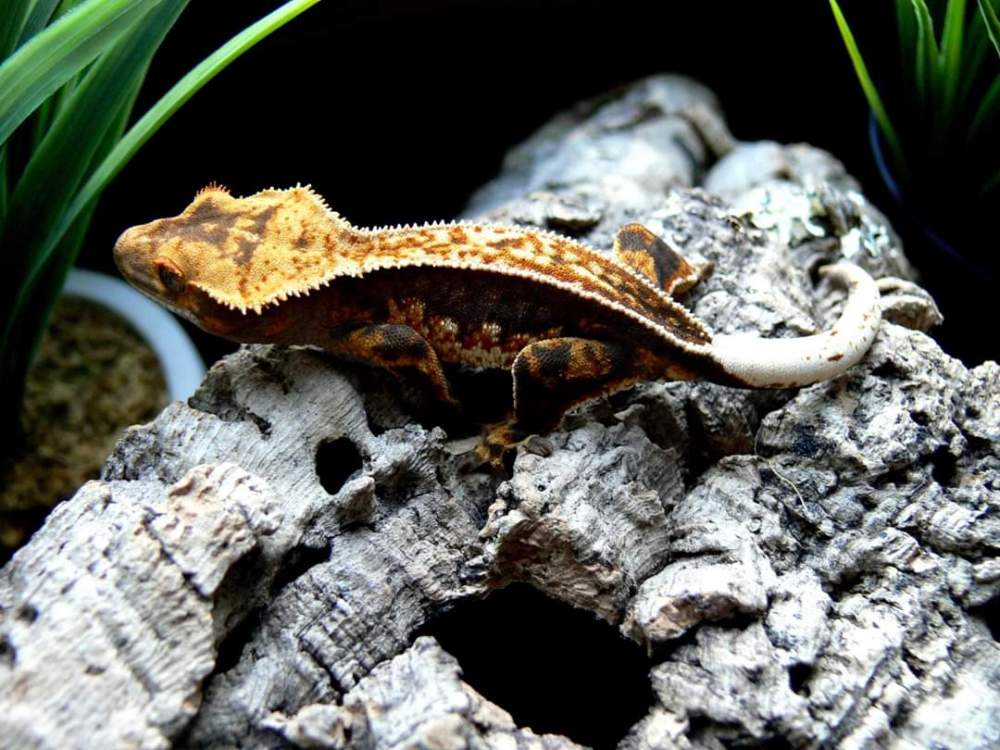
(538, 445)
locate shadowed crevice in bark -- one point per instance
(336, 461)
(554, 668)
(990, 614)
(231, 648)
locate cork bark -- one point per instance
(259, 567)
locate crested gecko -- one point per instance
(568, 322)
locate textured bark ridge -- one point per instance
(809, 568)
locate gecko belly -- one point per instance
(482, 319)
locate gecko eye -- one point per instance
(171, 278)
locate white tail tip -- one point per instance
(786, 363)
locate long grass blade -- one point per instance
(12, 20)
(41, 120)
(906, 27)
(951, 52)
(977, 44)
(992, 21)
(60, 163)
(170, 102)
(926, 54)
(989, 107)
(930, 82)
(83, 132)
(137, 135)
(38, 18)
(52, 56)
(34, 318)
(988, 110)
(868, 86)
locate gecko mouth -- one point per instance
(163, 301)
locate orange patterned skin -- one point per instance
(569, 323)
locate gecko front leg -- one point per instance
(550, 377)
(399, 349)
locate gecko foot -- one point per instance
(498, 448)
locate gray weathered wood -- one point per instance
(811, 568)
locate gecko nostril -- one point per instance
(336, 461)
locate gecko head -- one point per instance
(170, 259)
(223, 256)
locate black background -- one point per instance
(395, 111)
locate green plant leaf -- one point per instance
(38, 18)
(906, 27)
(56, 254)
(54, 55)
(989, 107)
(170, 102)
(977, 44)
(868, 86)
(84, 131)
(81, 134)
(12, 20)
(987, 111)
(992, 21)
(951, 52)
(33, 319)
(67, 88)
(63, 158)
(926, 51)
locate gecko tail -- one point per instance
(787, 363)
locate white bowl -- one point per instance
(182, 366)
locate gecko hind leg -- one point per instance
(644, 252)
(550, 377)
(402, 351)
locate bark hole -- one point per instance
(231, 647)
(798, 677)
(554, 668)
(26, 613)
(990, 614)
(8, 654)
(943, 467)
(336, 461)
